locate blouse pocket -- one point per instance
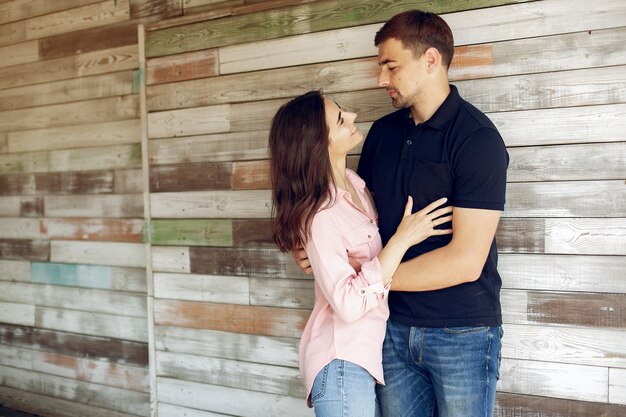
(361, 240)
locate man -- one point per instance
(441, 353)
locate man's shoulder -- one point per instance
(471, 119)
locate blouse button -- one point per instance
(362, 291)
(369, 236)
(371, 221)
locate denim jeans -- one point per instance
(343, 389)
(444, 372)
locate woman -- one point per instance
(320, 205)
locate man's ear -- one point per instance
(433, 59)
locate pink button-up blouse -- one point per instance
(349, 317)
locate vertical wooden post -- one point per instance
(145, 164)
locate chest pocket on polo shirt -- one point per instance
(430, 181)
(361, 240)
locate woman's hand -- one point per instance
(420, 225)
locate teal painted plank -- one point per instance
(71, 275)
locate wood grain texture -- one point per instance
(91, 63)
(313, 17)
(252, 233)
(196, 232)
(89, 276)
(97, 14)
(211, 204)
(14, 10)
(219, 399)
(101, 205)
(169, 410)
(517, 405)
(128, 181)
(586, 236)
(82, 182)
(19, 53)
(77, 136)
(111, 230)
(14, 271)
(96, 395)
(162, 8)
(17, 249)
(583, 346)
(521, 236)
(273, 350)
(267, 321)
(170, 259)
(46, 405)
(76, 345)
(617, 386)
(287, 293)
(230, 373)
(208, 288)
(98, 253)
(261, 262)
(602, 274)
(188, 122)
(191, 177)
(180, 67)
(252, 175)
(19, 314)
(209, 148)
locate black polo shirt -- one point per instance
(459, 154)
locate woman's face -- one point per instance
(343, 135)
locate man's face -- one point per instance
(401, 73)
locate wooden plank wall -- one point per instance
(229, 308)
(73, 311)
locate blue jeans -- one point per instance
(343, 389)
(446, 372)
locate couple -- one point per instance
(396, 290)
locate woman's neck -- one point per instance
(339, 172)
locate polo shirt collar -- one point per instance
(445, 113)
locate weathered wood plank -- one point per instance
(521, 235)
(187, 66)
(21, 206)
(617, 386)
(596, 161)
(237, 346)
(20, 53)
(98, 14)
(256, 233)
(163, 8)
(19, 184)
(14, 10)
(16, 228)
(263, 262)
(209, 288)
(288, 293)
(313, 17)
(563, 272)
(515, 405)
(128, 181)
(98, 253)
(170, 259)
(131, 378)
(4, 142)
(188, 122)
(191, 232)
(15, 271)
(85, 182)
(65, 91)
(563, 309)
(46, 405)
(82, 346)
(101, 205)
(576, 382)
(230, 373)
(93, 324)
(116, 230)
(20, 314)
(252, 175)
(89, 276)
(16, 249)
(267, 321)
(583, 346)
(469, 27)
(211, 204)
(191, 177)
(586, 236)
(96, 395)
(219, 399)
(169, 410)
(77, 136)
(83, 299)
(567, 198)
(209, 148)
(91, 63)
(89, 111)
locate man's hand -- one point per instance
(302, 259)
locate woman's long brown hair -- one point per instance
(300, 168)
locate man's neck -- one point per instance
(433, 99)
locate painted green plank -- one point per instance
(312, 17)
(191, 232)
